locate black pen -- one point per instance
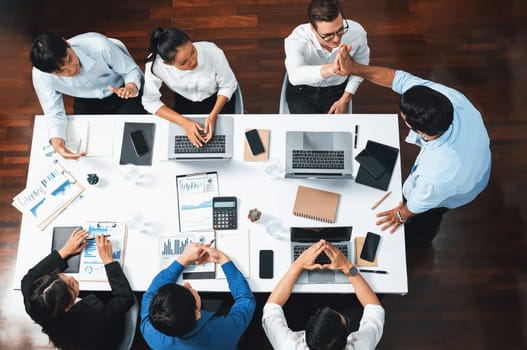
(373, 271)
(93, 237)
(356, 135)
(212, 242)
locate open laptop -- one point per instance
(318, 154)
(304, 237)
(219, 147)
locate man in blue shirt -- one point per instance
(453, 166)
(98, 72)
(171, 314)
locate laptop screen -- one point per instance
(314, 234)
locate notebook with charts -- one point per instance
(318, 154)
(303, 237)
(219, 147)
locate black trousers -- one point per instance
(305, 99)
(423, 227)
(112, 104)
(185, 106)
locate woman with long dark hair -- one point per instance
(52, 299)
(198, 74)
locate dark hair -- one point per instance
(165, 44)
(323, 11)
(48, 52)
(426, 110)
(49, 296)
(173, 310)
(325, 330)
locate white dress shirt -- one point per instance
(305, 56)
(212, 75)
(103, 63)
(282, 337)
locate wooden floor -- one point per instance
(469, 288)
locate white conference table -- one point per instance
(155, 197)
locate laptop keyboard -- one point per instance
(322, 258)
(313, 159)
(183, 145)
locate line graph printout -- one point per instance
(171, 247)
(91, 267)
(195, 193)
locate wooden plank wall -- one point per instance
(469, 288)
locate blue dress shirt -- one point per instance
(210, 332)
(103, 63)
(453, 169)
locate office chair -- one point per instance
(284, 109)
(238, 104)
(130, 324)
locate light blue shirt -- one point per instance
(103, 63)
(453, 169)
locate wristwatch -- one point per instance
(353, 271)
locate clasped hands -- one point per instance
(201, 253)
(129, 90)
(199, 135)
(306, 260)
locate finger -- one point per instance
(384, 213)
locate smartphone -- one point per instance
(369, 249)
(139, 141)
(254, 141)
(372, 165)
(266, 263)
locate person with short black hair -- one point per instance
(316, 85)
(171, 314)
(101, 76)
(454, 163)
(52, 300)
(199, 75)
(327, 329)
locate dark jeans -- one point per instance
(305, 99)
(423, 227)
(185, 106)
(112, 104)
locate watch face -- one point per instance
(353, 271)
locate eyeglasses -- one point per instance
(330, 36)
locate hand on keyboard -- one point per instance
(338, 260)
(194, 132)
(306, 260)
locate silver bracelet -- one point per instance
(400, 217)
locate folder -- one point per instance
(128, 154)
(61, 234)
(376, 165)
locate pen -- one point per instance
(91, 238)
(381, 200)
(212, 242)
(374, 271)
(356, 135)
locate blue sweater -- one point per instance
(210, 332)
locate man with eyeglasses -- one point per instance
(316, 85)
(327, 328)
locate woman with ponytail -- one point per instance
(52, 300)
(198, 74)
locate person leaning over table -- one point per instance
(315, 86)
(171, 314)
(52, 300)
(453, 165)
(101, 76)
(199, 75)
(327, 328)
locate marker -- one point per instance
(374, 271)
(356, 135)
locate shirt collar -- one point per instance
(86, 61)
(414, 138)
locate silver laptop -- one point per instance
(318, 154)
(303, 237)
(219, 147)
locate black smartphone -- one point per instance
(369, 249)
(139, 142)
(254, 141)
(372, 165)
(266, 263)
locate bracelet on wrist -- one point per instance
(400, 217)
